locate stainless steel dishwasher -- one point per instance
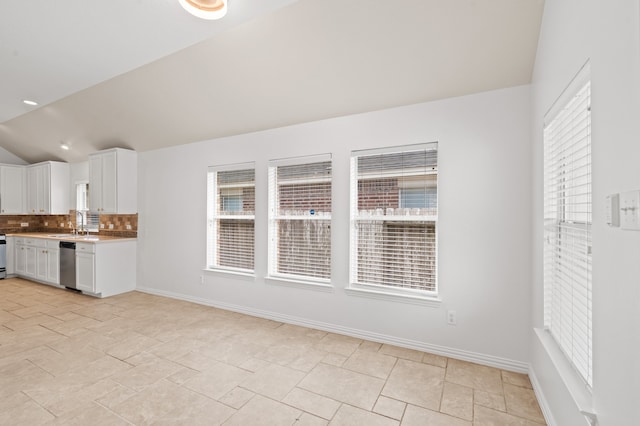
(68, 264)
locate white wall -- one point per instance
(484, 238)
(608, 33)
(8, 158)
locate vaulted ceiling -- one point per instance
(145, 75)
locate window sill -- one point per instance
(298, 283)
(247, 276)
(575, 385)
(433, 302)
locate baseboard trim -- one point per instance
(542, 401)
(475, 357)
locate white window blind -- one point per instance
(85, 219)
(300, 218)
(394, 214)
(567, 225)
(231, 214)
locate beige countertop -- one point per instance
(93, 238)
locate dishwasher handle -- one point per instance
(67, 245)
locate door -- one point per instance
(21, 260)
(11, 189)
(30, 261)
(41, 263)
(53, 266)
(85, 272)
(109, 183)
(32, 189)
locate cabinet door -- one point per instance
(11, 189)
(39, 189)
(44, 189)
(95, 183)
(32, 190)
(109, 183)
(53, 266)
(85, 272)
(21, 259)
(41, 263)
(30, 261)
(11, 256)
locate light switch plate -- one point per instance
(630, 210)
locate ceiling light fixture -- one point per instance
(205, 9)
(28, 102)
(64, 146)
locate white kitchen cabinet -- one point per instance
(11, 256)
(20, 257)
(103, 268)
(48, 188)
(85, 272)
(12, 189)
(48, 262)
(113, 179)
(30, 261)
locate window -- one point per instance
(567, 224)
(300, 218)
(85, 220)
(231, 217)
(394, 214)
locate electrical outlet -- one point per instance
(128, 227)
(102, 226)
(46, 224)
(111, 226)
(452, 318)
(24, 224)
(61, 225)
(201, 279)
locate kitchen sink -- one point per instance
(75, 237)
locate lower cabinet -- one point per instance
(20, 258)
(85, 271)
(25, 258)
(48, 262)
(106, 268)
(102, 268)
(37, 259)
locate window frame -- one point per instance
(90, 221)
(381, 291)
(563, 221)
(213, 217)
(273, 275)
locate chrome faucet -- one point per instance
(82, 230)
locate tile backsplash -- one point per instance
(60, 223)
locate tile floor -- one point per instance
(138, 359)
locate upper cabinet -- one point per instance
(113, 177)
(48, 188)
(12, 191)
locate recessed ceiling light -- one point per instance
(205, 9)
(65, 146)
(28, 102)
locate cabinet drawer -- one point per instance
(53, 244)
(85, 247)
(35, 242)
